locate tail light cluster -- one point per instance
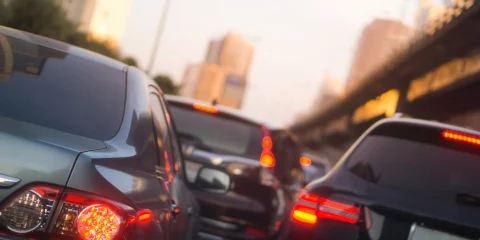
(267, 158)
(310, 208)
(69, 215)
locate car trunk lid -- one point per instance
(35, 154)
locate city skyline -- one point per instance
(297, 48)
(223, 75)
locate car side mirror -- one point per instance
(212, 180)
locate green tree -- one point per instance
(44, 17)
(4, 13)
(82, 40)
(166, 84)
(130, 61)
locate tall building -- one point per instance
(377, 42)
(210, 84)
(223, 75)
(190, 79)
(214, 51)
(232, 53)
(331, 89)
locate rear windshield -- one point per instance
(417, 160)
(218, 133)
(60, 91)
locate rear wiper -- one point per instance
(468, 199)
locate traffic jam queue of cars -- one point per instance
(91, 148)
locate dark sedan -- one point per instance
(263, 162)
(404, 179)
(87, 148)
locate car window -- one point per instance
(58, 90)
(217, 133)
(162, 133)
(425, 164)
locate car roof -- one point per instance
(48, 43)
(224, 110)
(425, 123)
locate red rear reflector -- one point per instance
(304, 161)
(255, 232)
(304, 215)
(72, 198)
(144, 216)
(205, 108)
(460, 137)
(267, 159)
(267, 142)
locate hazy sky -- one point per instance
(297, 42)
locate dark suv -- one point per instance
(263, 162)
(87, 148)
(403, 179)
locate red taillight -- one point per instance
(267, 159)
(77, 215)
(304, 215)
(304, 161)
(27, 211)
(309, 198)
(267, 143)
(90, 217)
(98, 222)
(310, 207)
(205, 108)
(461, 137)
(144, 216)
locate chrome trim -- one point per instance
(412, 231)
(7, 181)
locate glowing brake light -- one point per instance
(304, 161)
(98, 222)
(304, 215)
(460, 137)
(267, 159)
(144, 216)
(205, 108)
(73, 214)
(311, 207)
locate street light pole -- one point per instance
(158, 37)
